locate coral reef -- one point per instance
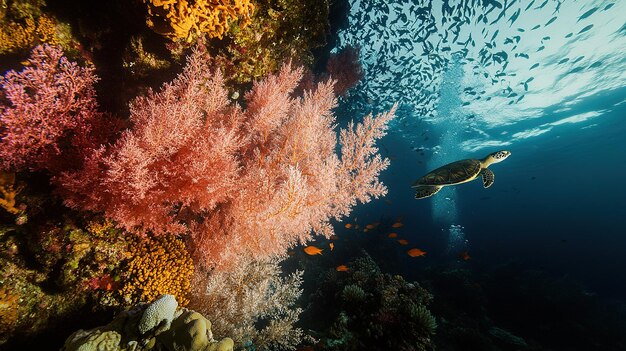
(185, 20)
(241, 183)
(139, 62)
(257, 295)
(23, 25)
(55, 269)
(280, 31)
(368, 309)
(169, 329)
(157, 266)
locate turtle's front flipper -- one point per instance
(488, 177)
(423, 191)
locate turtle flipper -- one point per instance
(488, 177)
(423, 191)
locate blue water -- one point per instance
(544, 82)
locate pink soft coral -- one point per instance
(42, 108)
(250, 182)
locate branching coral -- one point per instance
(43, 108)
(157, 266)
(252, 294)
(240, 182)
(186, 19)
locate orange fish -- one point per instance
(465, 256)
(392, 235)
(332, 246)
(334, 237)
(356, 226)
(403, 242)
(342, 268)
(397, 225)
(365, 230)
(416, 253)
(312, 250)
(370, 226)
(348, 225)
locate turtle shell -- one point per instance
(452, 173)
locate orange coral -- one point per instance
(158, 266)
(182, 19)
(8, 192)
(15, 36)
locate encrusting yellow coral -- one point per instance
(158, 266)
(182, 19)
(15, 36)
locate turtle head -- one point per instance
(496, 157)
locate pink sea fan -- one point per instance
(41, 108)
(240, 182)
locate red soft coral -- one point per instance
(239, 182)
(42, 108)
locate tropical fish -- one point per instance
(403, 242)
(465, 256)
(370, 226)
(550, 21)
(332, 246)
(392, 235)
(416, 253)
(312, 250)
(342, 268)
(356, 226)
(348, 225)
(585, 29)
(596, 64)
(587, 14)
(397, 225)
(334, 237)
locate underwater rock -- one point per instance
(507, 338)
(157, 325)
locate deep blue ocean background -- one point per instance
(544, 80)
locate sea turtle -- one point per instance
(458, 172)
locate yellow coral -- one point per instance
(8, 192)
(158, 266)
(16, 36)
(183, 19)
